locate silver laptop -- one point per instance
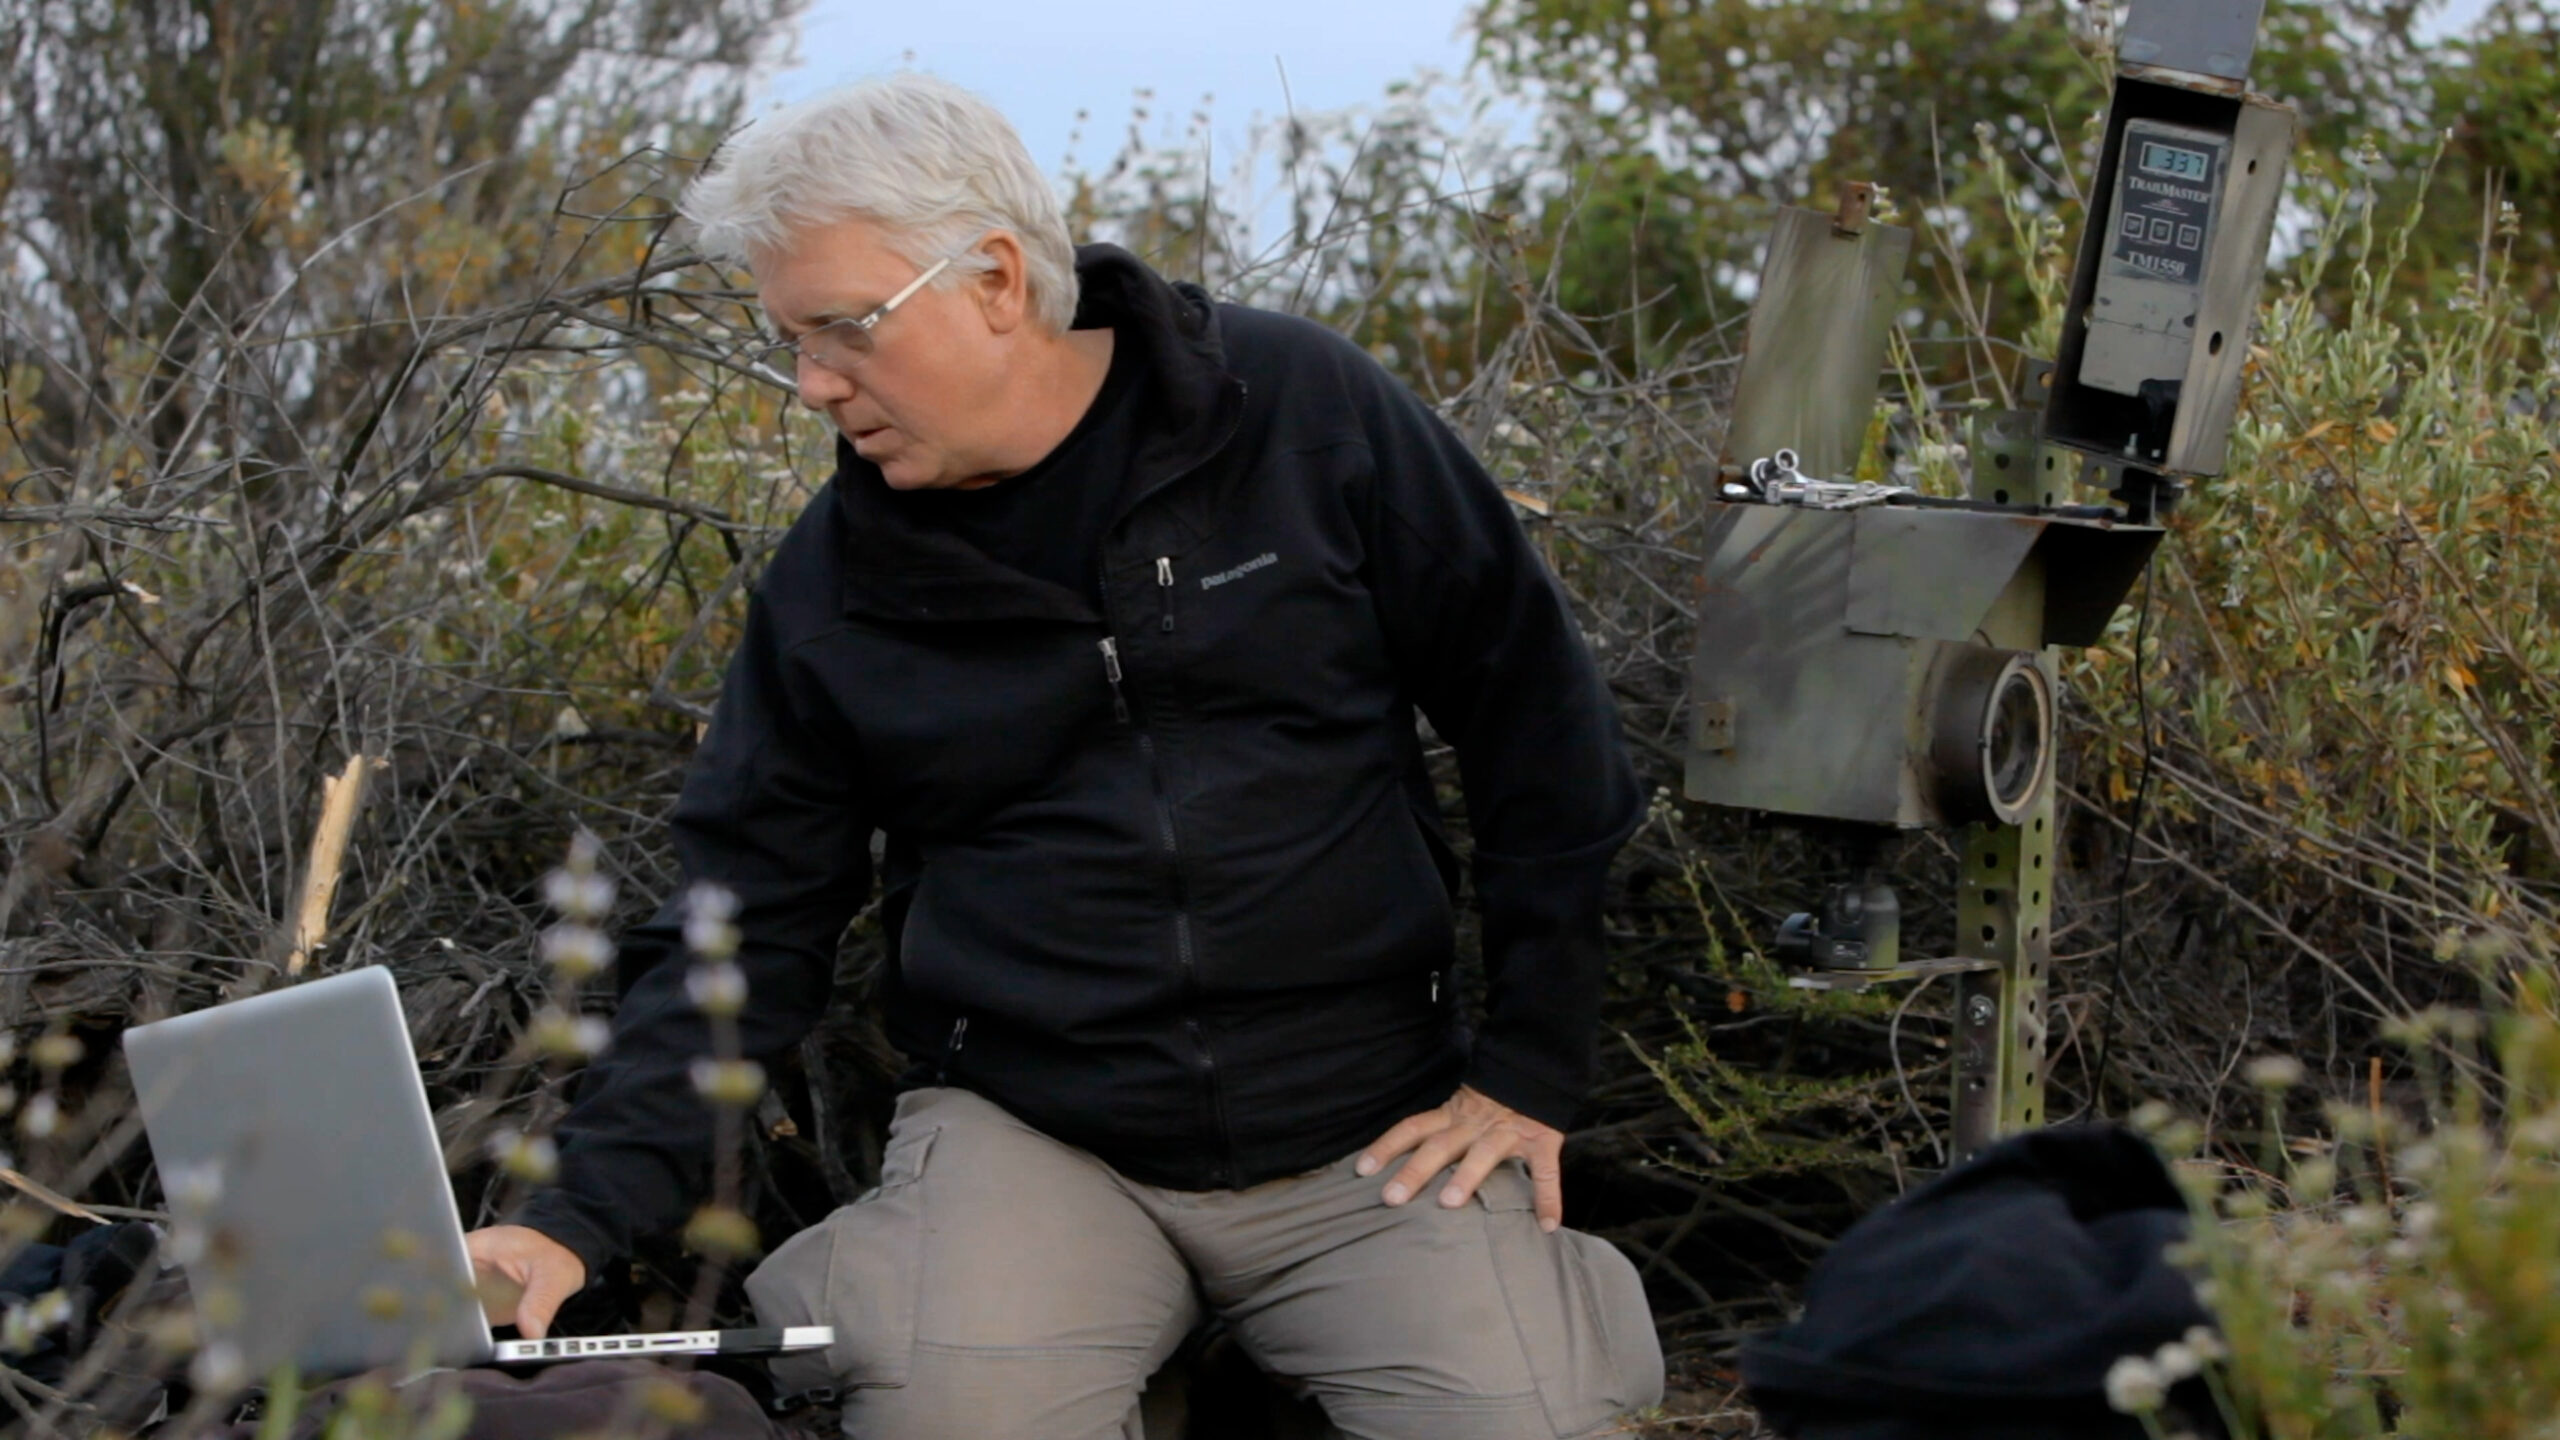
(308, 1195)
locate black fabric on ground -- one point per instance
(1991, 1302)
(92, 1270)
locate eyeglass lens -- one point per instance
(836, 344)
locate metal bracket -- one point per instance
(1711, 729)
(1857, 202)
(1855, 981)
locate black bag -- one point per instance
(1991, 1303)
(91, 1271)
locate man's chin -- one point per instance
(899, 465)
(901, 474)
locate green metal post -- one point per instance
(2004, 899)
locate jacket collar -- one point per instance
(897, 570)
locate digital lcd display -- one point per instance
(2176, 162)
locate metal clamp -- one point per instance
(1766, 472)
(1775, 480)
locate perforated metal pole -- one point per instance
(2004, 897)
(2004, 914)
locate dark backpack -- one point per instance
(1990, 1303)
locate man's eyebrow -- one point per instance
(789, 331)
(818, 319)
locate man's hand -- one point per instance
(1476, 1132)
(523, 1275)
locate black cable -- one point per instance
(2094, 1102)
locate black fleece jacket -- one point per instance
(1165, 877)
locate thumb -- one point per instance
(544, 1291)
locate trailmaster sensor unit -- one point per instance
(2151, 283)
(2166, 287)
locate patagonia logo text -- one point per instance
(1212, 582)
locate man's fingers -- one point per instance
(1429, 1159)
(501, 1287)
(523, 1276)
(543, 1295)
(1408, 1132)
(1546, 1181)
(1491, 1148)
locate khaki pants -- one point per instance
(1002, 1286)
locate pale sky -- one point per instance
(1042, 62)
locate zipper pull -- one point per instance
(1435, 987)
(951, 1049)
(1164, 588)
(1111, 672)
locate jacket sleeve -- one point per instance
(1489, 650)
(769, 811)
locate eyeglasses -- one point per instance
(844, 344)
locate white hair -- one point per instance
(931, 164)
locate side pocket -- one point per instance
(861, 1270)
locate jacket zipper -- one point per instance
(951, 1049)
(1184, 955)
(1111, 672)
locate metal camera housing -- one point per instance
(1884, 665)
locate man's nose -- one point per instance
(821, 387)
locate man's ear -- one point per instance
(1003, 291)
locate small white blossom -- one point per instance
(2275, 1072)
(2420, 1220)
(569, 1037)
(42, 1117)
(218, 1368)
(707, 931)
(2176, 1362)
(734, 1083)
(717, 989)
(2135, 1386)
(533, 1159)
(28, 1321)
(192, 1189)
(580, 897)
(576, 951)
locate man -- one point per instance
(1115, 620)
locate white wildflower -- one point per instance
(534, 1159)
(719, 988)
(218, 1368)
(2176, 1361)
(734, 1083)
(2135, 1386)
(575, 951)
(580, 897)
(2275, 1072)
(707, 932)
(42, 1117)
